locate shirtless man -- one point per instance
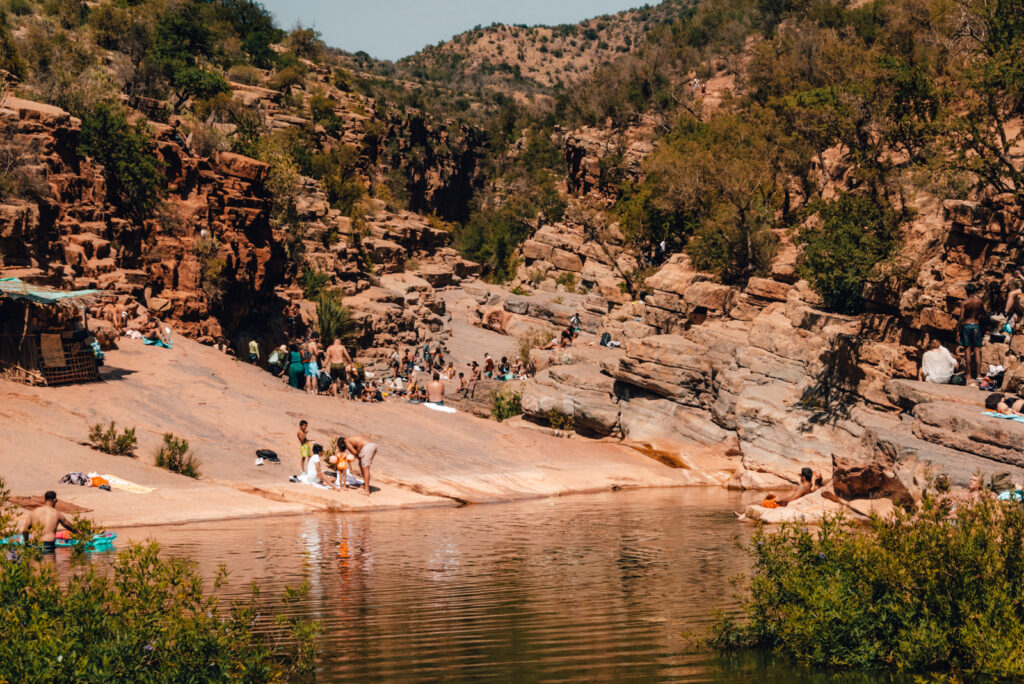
(359, 449)
(972, 310)
(337, 360)
(435, 390)
(44, 521)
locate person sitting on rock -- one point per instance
(937, 364)
(488, 365)
(435, 391)
(809, 481)
(314, 474)
(1014, 310)
(463, 390)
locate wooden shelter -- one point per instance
(44, 334)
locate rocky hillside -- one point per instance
(214, 186)
(538, 59)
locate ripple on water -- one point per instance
(597, 587)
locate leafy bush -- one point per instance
(143, 619)
(567, 279)
(245, 74)
(561, 421)
(506, 404)
(10, 60)
(134, 174)
(338, 171)
(334, 319)
(174, 455)
(110, 441)
(852, 237)
(313, 282)
(920, 593)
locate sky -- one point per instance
(391, 29)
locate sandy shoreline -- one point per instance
(228, 409)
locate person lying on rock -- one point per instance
(809, 481)
(359, 449)
(937, 364)
(1007, 405)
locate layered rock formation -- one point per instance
(765, 374)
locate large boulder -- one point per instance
(579, 391)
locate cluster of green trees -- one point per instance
(881, 99)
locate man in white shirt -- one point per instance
(937, 364)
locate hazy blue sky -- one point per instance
(390, 29)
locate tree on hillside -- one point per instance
(715, 187)
(133, 172)
(850, 238)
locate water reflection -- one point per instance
(599, 587)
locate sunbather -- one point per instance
(1007, 405)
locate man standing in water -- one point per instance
(972, 310)
(44, 520)
(358, 448)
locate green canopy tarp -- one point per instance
(16, 288)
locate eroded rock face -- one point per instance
(205, 263)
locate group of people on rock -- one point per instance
(347, 452)
(939, 365)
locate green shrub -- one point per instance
(110, 441)
(139, 618)
(313, 282)
(338, 171)
(506, 403)
(521, 291)
(174, 455)
(334, 319)
(245, 74)
(134, 173)
(852, 237)
(567, 280)
(561, 421)
(10, 60)
(919, 593)
(19, 8)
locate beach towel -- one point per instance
(156, 343)
(1005, 416)
(442, 409)
(118, 483)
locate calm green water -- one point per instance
(596, 587)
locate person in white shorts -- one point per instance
(359, 449)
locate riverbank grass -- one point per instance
(919, 593)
